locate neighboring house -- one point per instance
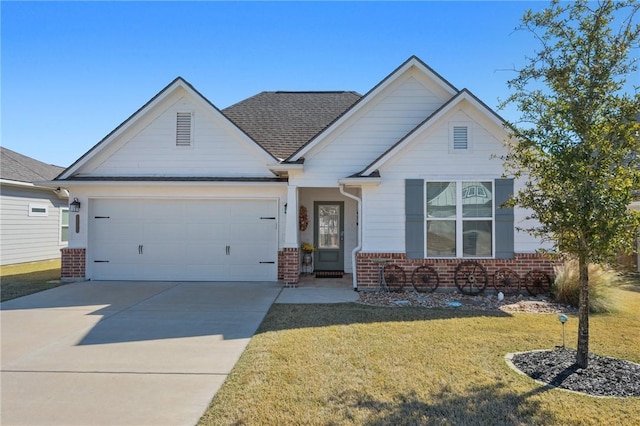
(184, 191)
(34, 220)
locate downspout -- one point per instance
(359, 245)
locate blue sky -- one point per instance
(73, 71)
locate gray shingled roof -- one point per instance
(18, 167)
(282, 122)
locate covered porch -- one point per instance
(327, 220)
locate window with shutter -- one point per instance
(184, 123)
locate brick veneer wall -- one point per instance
(522, 263)
(289, 266)
(280, 265)
(73, 263)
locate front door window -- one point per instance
(329, 226)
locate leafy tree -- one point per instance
(577, 141)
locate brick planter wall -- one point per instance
(289, 265)
(73, 264)
(521, 264)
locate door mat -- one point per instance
(329, 274)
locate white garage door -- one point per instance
(183, 240)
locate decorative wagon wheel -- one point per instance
(425, 279)
(470, 277)
(505, 280)
(537, 282)
(395, 277)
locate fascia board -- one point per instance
(360, 181)
(66, 184)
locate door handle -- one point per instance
(139, 249)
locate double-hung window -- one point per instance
(459, 219)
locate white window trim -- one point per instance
(459, 219)
(62, 209)
(35, 206)
(191, 134)
(469, 126)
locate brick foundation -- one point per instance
(73, 264)
(521, 264)
(289, 265)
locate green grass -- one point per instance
(350, 364)
(27, 278)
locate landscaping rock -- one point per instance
(604, 376)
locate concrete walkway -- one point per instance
(131, 353)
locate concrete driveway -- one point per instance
(124, 353)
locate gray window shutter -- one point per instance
(504, 220)
(414, 218)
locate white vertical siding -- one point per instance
(25, 238)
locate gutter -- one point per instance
(359, 246)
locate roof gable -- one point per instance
(104, 147)
(462, 96)
(283, 121)
(412, 63)
(20, 168)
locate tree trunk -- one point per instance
(583, 315)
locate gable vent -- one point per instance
(183, 128)
(460, 137)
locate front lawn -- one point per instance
(27, 278)
(350, 364)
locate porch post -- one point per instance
(291, 228)
(291, 256)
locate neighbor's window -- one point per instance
(459, 219)
(38, 210)
(64, 225)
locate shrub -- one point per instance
(566, 288)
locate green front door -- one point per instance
(328, 233)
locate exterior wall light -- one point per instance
(74, 206)
(563, 319)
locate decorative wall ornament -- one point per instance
(304, 218)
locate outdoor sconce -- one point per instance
(75, 205)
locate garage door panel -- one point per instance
(163, 232)
(206, 254)
(124, 271)
(207, 232)
(117, 209)
(207, 212)
(105, 230)
(195, 240)
(116, 252)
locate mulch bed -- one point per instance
(603, 377)
(488, 302)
